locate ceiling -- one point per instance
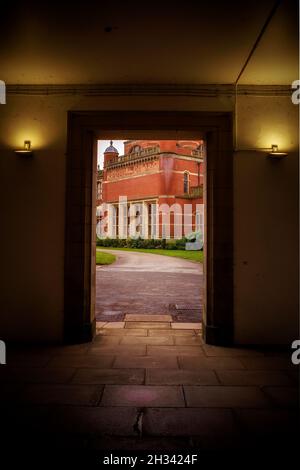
(191, 42)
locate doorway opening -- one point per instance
(150, 231)
(85, 129)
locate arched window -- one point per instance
(185, 182)
(135, 149)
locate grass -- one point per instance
(196, 256)
(104, 258)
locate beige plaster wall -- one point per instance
(32, 198)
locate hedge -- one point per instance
(142, 243)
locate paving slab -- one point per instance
(109, 376)
(159, 340)
(116, 324)
(146, 362)
(123, 331)
(147, 325)
(62, 394)
(174, 350)
(171, 331)
(100, 324)
(180, 377)
(230, 363)
(186, 326)
(188, 340)
(111, 421)
(147, 318)
(217, 351)
(91, 360)
(142, 395)
(253, 377)
(115, 349)
(267, 363)
(225, 397)
(189, 422)
(36, 374)
(106, 339)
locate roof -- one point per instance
(111, 148)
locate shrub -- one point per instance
(171, 245)
(180, 243)
(141, 243)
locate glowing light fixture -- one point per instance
(275, 153)
(26, 150)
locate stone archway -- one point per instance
(83, 129)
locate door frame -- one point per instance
(84, 127)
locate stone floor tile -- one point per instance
(36, 374)
(217, 351)
(188, 422)
(159, 340)
(147, 318)
(267, 363)
(287, 397)
(122, 332)
(109, 376)
(135, 350)
(146, 362)
(171, 331)
(71, 349)
(116, 324)
(180, 377)
(225, 397)
(107, 340)
(90, 360)
(111, 421)
(230, 363)
(100, 324)
(174, 350)
(188, 340)
(253, 377)
(62, 394)
(186, 326)
(27, 359)
(147, 325)
(142, 395)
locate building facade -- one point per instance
(154, 190)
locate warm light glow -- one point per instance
(27, 144)
(26, 150)
(275, 153)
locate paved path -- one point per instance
(142, 283)
(155, 388)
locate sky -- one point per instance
(103, 144)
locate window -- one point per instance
(99, 190)
(135, 149)
(185, 182)
(152, 221)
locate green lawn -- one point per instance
(104, 258)
(190, 255)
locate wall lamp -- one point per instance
(26, 150)
(275, 153)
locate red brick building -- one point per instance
(154, 190)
